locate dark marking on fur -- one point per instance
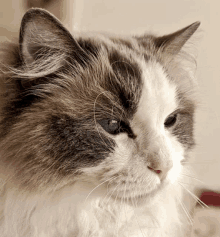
(90, 47)
(126, 81)
(74, 146)
(128, 43)
(85, 57)
(21, 100)
(22, 92)
(22, 95)
(146, 57)
(125, 127)
(184, 129)
(123, 66)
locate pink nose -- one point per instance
(156, 171)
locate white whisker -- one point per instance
(195, 197)
(185, 211)
(112, 193)
(201, 162)
(126, 216)
(192, 178)
(97, 187)
(108, 190)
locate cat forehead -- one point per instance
(144, 80)
(131, 74)
(159, 95)
(119, 71)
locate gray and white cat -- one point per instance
(94, 133)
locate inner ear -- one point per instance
(41, 35)
(173, 43)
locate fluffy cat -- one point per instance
(95, 132)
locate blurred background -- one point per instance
(160, 17)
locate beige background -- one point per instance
(161, 17)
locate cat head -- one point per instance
(95, 109)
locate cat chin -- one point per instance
(137, 201)
(143, 199)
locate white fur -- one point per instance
(75, 211)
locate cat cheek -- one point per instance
(176, 170)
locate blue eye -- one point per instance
(111, 126)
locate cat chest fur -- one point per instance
(95, 217)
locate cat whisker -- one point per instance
(124, 198)
(111, 194)
(195, 197)
(192, 178)
(95, 118)
(98, 186)
(116, 197)
(186, 212)
(96, 122)
(201, 162)
(107, 195)
(95, 102)
(189, 217)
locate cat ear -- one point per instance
(42, 35)
(173, 43)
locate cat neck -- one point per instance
(66, 214)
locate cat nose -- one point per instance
(161, 170)
(156, 171)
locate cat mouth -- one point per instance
(131, 197)
(138, 198)
(135, 200)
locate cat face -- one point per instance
(139, 166)
(96, 109)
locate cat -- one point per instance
(95, 132)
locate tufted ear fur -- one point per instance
(42, 35)
(173, 43)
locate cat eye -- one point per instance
(170, 121)
(111, 126)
